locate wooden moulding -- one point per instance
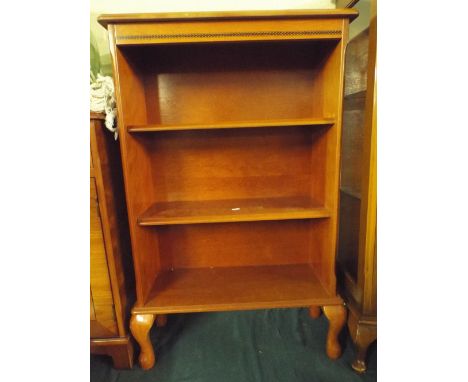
(120, 349)
(138, 29)
(107, 19)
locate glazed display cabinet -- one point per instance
(357, 255)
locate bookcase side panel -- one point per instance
(136, 166)
(325, 236)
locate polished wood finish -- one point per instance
(357, 258)
(140, 325)
(230, 131)
(363, 332)
(336, 315)
(226, 31)
(92, 311)
(235, 288)
(219, 165)
(233, 125)
(120, 349)
(110, 258)
(234, 210)
(262, 85)
(133, 18)
(103, 320)
(240, 244)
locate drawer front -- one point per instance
(227, 30)
(104, 322)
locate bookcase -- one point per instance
(230, 128)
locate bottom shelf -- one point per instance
(236, 288)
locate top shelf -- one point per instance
(232, 125)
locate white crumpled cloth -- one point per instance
(103, 100)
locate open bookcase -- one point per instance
(230, 127)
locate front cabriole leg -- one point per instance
(336, 315)
(140, 326)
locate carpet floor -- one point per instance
(278, 345)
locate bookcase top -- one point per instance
(130, 18)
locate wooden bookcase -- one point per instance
(230, 128)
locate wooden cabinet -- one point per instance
(357, 255)
(230, 130)
(111, 271)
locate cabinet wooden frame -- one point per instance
(110, 260)
(230, 127)
(357, 255)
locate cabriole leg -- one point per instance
(362, 335)
(336, 315)
(140, 326)
(362, 344)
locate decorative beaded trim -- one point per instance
(225, 34)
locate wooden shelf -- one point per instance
(235, 288)
(233, 125)
(235, 210)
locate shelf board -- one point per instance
(235, 210)
(233, 125)
(235, 288)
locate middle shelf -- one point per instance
(232, 210)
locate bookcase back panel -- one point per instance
(228, 96)
(209, 83)
(235, 164)
(236, 244)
